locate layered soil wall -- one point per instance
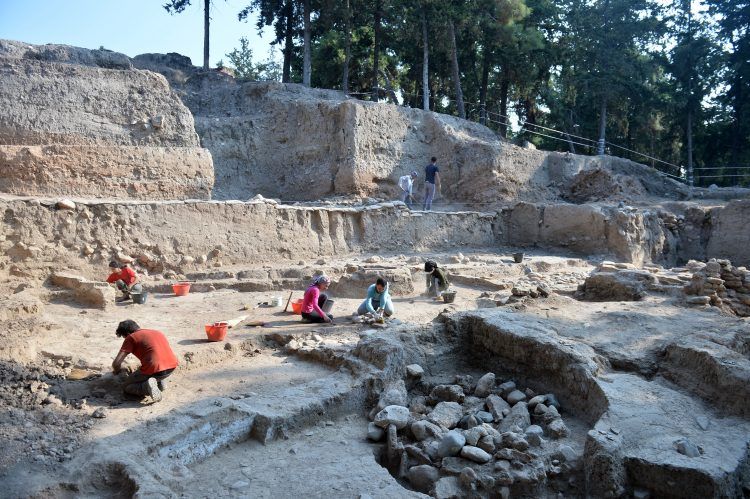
(289, 142)
(295, 143)
(78, 125)
(175, 232)
(233, 232)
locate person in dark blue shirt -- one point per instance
(431, 184)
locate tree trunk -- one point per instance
(206, 24)
(376, 53)
(306, 64)
(689, 126)
(602, 126)
(483, 87)
(504, 87)
(389, 91)
(347, 48)
(288, 42)
(689, 131)
(425, 64)
(571, 146)
(530, 109)
(456, 72)
(737, 126)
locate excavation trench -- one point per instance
(489, 374)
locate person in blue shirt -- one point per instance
(377, 297)
(431, 183)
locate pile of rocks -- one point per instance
(450, 440)
(520, 291)
(714, 283)
(34, 419)
(719, 284)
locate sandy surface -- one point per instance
(336, 458)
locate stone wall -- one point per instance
(79, 123)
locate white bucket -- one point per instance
(276, 301)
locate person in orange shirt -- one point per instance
(125, 279)
(158, 360)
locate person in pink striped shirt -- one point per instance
(314, 306)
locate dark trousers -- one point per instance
(137, 383)
(313, 316)
(126, 290)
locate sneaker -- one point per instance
(153, 389)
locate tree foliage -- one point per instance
(664, 82)
(244, 68)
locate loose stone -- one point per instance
(485, 385)
(451, 443)
(393, 414)
(375, 432)
(423, 477)
(515, 397)
(475, 454)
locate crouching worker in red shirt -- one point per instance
(125, 279)
(158, 360)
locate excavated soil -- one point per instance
(611, 360)
(306, 390)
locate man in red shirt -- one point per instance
(125, 279)
(158, 360)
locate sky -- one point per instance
(133, 26)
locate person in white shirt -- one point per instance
(406, 183)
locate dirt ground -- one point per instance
(47, 414)
(67, 400)
(46, 423)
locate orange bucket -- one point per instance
(297, 307)
(216, 331)
(181, 288)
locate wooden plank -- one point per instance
(233, 322)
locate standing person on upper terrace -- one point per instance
(406, 183)
(125, 279)
(431, 183)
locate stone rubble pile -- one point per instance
(37, 421)
(719, 284)
(481, 437)
(714, 283)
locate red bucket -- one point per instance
(217, 331)
(297, 306)
(181, 288)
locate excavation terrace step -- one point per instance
(244, 285)
(152, 452)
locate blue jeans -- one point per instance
(407, 199)
(429, 193)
